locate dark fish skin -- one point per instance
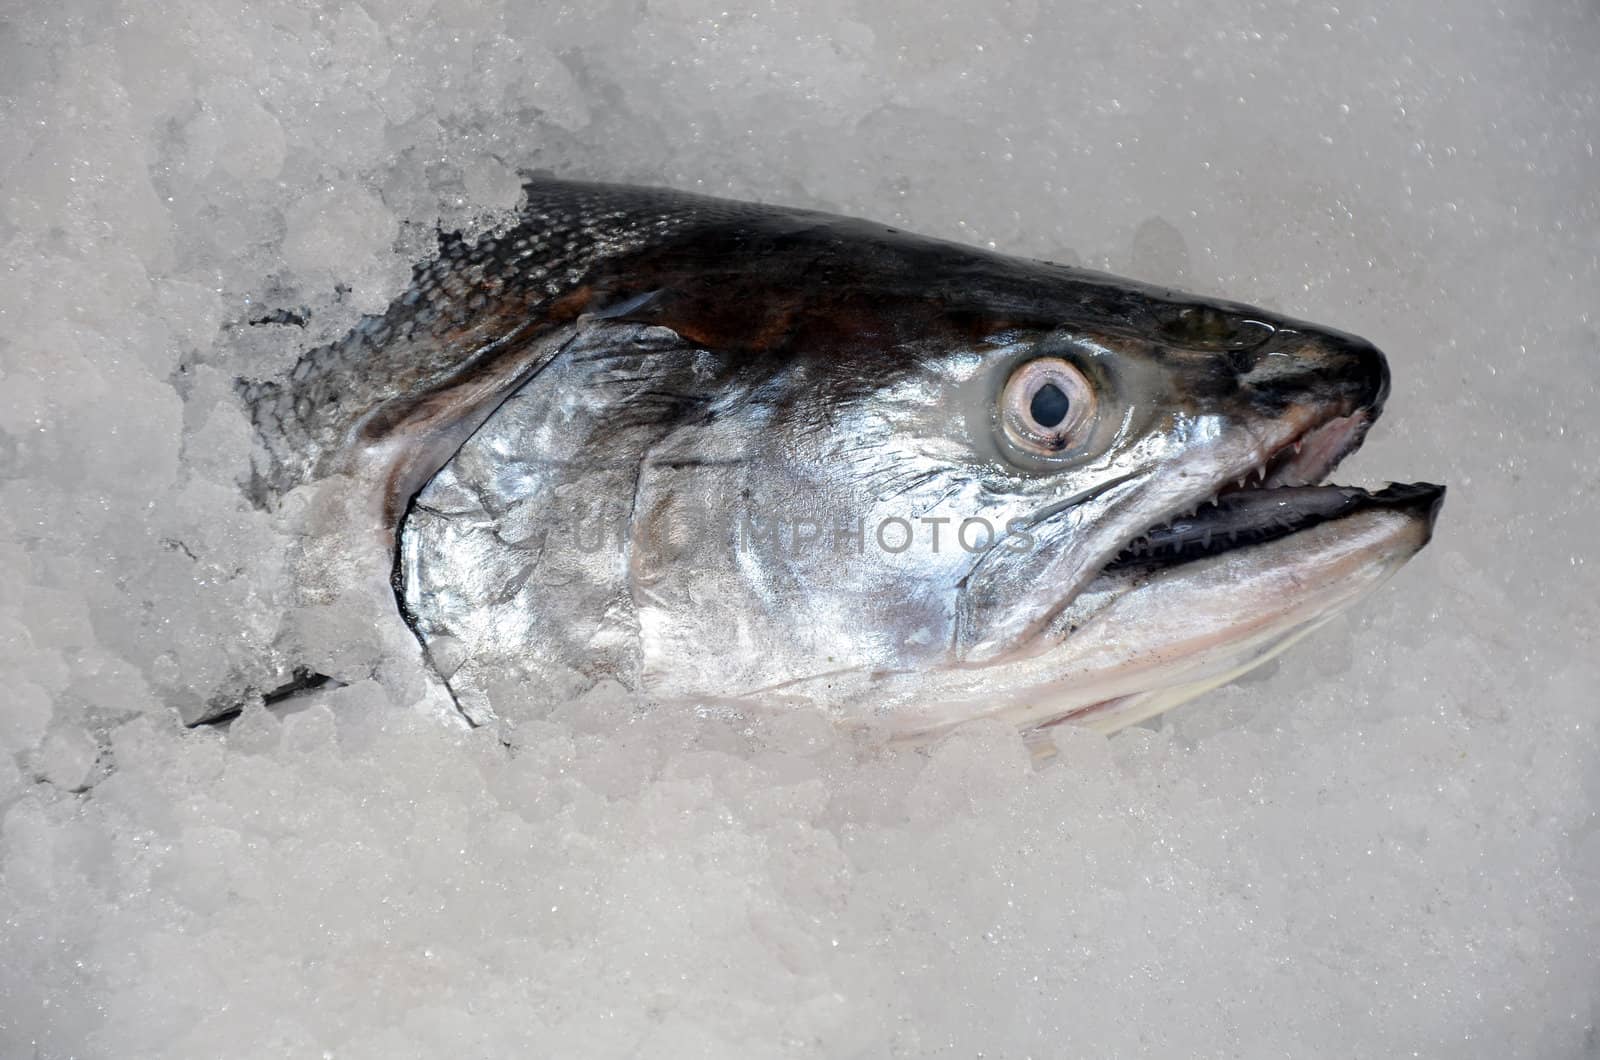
(759, 284)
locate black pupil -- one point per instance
(1049, 406)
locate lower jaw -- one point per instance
(1120, 712)
(1158, 641)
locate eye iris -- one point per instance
(1049, 406)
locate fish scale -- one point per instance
(457, 303)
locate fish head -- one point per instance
(908, 482)
(1093, 513)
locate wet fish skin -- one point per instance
(711, 342)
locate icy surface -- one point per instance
(1386, 846)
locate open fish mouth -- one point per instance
(1280, 497)
(1256, 515)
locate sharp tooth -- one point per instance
(1296, 448)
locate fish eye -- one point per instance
(1047, 406)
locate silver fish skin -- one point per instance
(753, 457)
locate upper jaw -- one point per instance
(1324, 389)
(1309, 456)
(1299, 450)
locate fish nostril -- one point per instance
(1206, 327)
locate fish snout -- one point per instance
(1316, 367)
(1363, 367)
